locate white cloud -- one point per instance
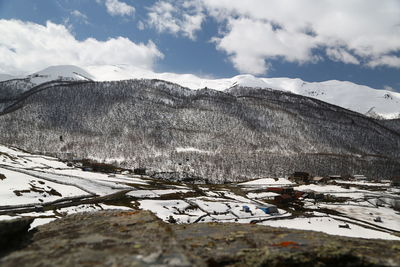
(140, 25)
(386, 60)
(79, 15)
(118, 8)
(367, 28)
(255, 31)
(249, 42)
(29, 47)
(340, 54)
(177, 17)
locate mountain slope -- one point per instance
(14, 90)
(381, 104)
(238, 134)
(11, 87)
(393, 124)
(376, 103)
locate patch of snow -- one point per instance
(262, 195)
(142, 194)
(268, 181)
(16, 181)
(102, 177)
(228, 194)
(112, 207)
(41, 221)
(361, 183)
(171, 191)
(330, 226)
(8, 217)
(191, 149)
(325, 188)
(89, 207)
(180, 210)
(211, 206)
(86, 181)
(390, 218)
(352, 195)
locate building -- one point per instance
(318, 180)
(281, 190)
(300, 177)
(270, 209)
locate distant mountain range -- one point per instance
(381, 104)
(173, 131)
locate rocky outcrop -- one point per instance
(139, 238)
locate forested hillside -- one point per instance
(241, 133)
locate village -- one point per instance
(46, 188)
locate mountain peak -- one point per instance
(60, 72)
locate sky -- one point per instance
(349, 40)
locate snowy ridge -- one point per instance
(53, 73)
(359, 98)
(62, 72)
(5, 77)
(382, 104)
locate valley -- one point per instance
(242, 155)
(45, 189)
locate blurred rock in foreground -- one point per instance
(139, 238)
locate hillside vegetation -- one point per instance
(237, 134)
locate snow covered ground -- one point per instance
(362, 183)
(330, 226)
(267, 182)
(46, 189)
(262, 195)
(18, 189)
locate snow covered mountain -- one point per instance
(235, 133)
(61, 72)
(52, 73)
(363, 99)
(14, 89)
(5, 77)
(12, 86)
(381, 104)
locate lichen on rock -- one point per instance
(139, 238)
